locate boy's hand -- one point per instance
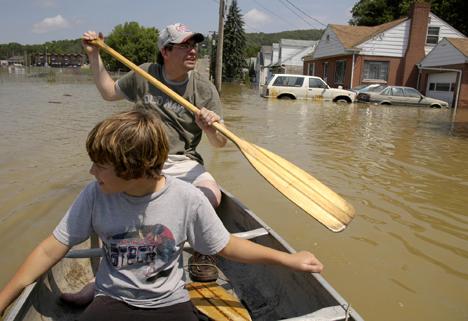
(305, 261)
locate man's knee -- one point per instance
(211, 191)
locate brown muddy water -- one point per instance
(405, 255)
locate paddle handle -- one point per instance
(168, 91)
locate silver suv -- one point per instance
(305, 87)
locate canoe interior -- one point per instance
(268, 292)
(273, 292)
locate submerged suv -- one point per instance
(305, 87)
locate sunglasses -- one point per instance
(184, 46)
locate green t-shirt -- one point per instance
(183, 133)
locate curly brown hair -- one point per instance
(134, 142)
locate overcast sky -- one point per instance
(38, 21)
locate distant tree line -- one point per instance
(59, 47)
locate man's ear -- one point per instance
(164, 52)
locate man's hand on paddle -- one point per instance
(88, 36)
(205, 118)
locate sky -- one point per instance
(39, 21)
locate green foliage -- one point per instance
(134, 42)
(233, 45)
(375, 12)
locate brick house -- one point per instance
(388, 53)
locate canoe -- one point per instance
(267, 292)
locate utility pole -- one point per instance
(219, 48)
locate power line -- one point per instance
(305, 13)
(287, 7)
(274, 13)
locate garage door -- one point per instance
(442, 86)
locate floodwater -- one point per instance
(404, 256)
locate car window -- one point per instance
(387, 92)
(357, 87)
(397, 92)
(289, 81)
(377, 88)
(316, 83)
(410, 92)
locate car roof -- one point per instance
(297, 75)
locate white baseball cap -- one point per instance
(177, 33)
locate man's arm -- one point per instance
(246, 251)
(205, 119)
(41, 259)
(104, 82)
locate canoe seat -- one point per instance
(215, 302)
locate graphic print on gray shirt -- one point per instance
(143, 239)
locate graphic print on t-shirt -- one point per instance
(150, 250)
(164, 101)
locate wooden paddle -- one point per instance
(297, 185)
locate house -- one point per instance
(264, 58)
(444, 72)
(388, 53)
(19, 60)
(283, 57)
(59, 60)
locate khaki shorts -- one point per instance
(186, 169)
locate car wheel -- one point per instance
(342, 101)
(286, 97)
(436, 106)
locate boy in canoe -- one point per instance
(137, 210)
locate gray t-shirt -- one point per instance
(183, 133)
(143, 239)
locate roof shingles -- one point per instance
(351, 36)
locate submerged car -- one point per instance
(368, 88)
(288, 86)
(399, 95)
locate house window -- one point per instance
(311, 70)
(340, 71)
(375, 71)
(325, 71)
(432, 35)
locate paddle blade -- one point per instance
(301, 188)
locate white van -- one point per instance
(305, 87)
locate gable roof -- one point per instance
(351, 36)
(460, 43)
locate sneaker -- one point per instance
(202, 268)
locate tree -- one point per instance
(134, 42)
(234, 45)
(375, 12)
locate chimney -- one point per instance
(419, 15)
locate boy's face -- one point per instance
(108, 181)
